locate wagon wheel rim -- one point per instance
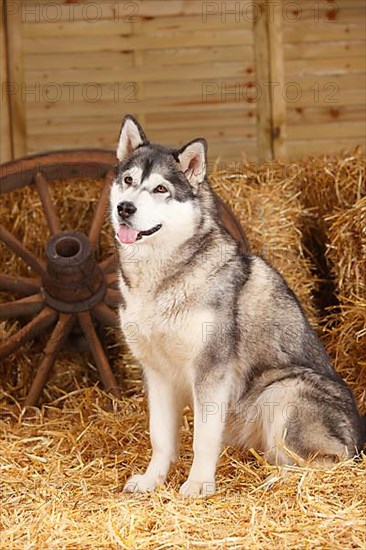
(48, 298)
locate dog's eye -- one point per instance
(160, 189)
(128, 180)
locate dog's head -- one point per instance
(154, 195)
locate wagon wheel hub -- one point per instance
(74, 281)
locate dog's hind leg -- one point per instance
(295, 425)
(166, 406)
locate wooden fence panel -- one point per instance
(263, 78)
(325, 84)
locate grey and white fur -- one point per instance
(217, 329)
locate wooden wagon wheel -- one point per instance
(71, 286)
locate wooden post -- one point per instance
(13, 25)
(277, 75)
(5, 135)
(261, 52)
(271, 107)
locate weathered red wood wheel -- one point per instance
(71, 286)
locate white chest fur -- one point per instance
(162, 331)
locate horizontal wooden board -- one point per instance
(334, 130)
(127, 10)
(310, 32)
(324, 66)
(327, 100)
(328, 4)
(155, 58)
(138, 42)
(320, 13)
(176, 56)
(156, 27)
(244, 118)
(324, 49)
(82, 61)
(140, 74)
(325, 82)
(147, 106)
(329, 114)
(169, 132)
(212, 90)
(83, 29)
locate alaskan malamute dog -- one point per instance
(215, 328)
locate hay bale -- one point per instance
(345, 340)
(326, 184)
(331, 181)
(346, 249)
(333, 190)
(309, 220)
(346, 324)
(263, 199)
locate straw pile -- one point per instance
(63, 470)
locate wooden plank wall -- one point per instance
(181, 71)
(325, 85)
(190, 68)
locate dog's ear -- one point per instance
(130, 137)
(193, 160)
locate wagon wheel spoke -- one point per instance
(48, 206)
(105, 315)
(42, 321)
(51, 351)
(25, 306)
(100, 358)
(109, 265)
(112, 297)
(99, 214)
(111, 280)
(19, 285)
(16, 246)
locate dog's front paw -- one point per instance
(141, 484)
(197, 488)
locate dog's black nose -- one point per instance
(126, 209)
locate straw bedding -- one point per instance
(62, 470)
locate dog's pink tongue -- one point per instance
(127, 235)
